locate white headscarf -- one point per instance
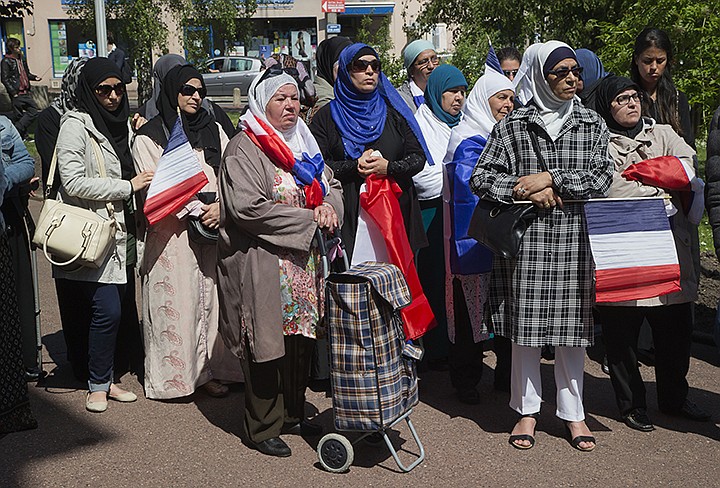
(553, 111)
(479, 118)
(298, 138)
(521, 82)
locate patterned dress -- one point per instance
(545, 296)
(301, 279)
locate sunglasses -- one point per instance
(511, 72)
(625, 99)
(563, 72)
(189, 90)
(106, 90)
(275, 71)
(361, 65)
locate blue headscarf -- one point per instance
(443, 78)
(360, 117)
(593, 69)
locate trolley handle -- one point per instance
(325, 245)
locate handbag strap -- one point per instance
(536, 147)
(101, 170)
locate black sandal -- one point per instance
(524, 437)
(575, 441)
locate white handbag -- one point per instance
(70, 235)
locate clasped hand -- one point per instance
(538, 189)
(326, 217)
(369, 164)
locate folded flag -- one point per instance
(633, 248)
(178, 177)
(673, 174)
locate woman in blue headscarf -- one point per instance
(593, 73)
(440, 112)
(368, 129)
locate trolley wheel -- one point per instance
(335, 453)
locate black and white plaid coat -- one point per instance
(545, 296)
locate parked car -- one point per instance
(225, 73)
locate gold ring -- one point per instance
(547, 205)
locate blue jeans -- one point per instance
(106, 313)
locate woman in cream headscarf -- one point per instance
(467, 262)
(547, 152)
(419, 60)
(275, 192)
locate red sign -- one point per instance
(333, 6)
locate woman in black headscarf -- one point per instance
(96, 133)
(180, 313)
(327, 55)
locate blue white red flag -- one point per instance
(178, 177)
(633, 248)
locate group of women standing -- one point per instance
(275, 183)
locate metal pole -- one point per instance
(101, 28)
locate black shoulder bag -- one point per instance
(500, 226)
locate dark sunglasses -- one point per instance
(275, 71)
(361, 65)
(510, 72)
(189, 90)
(105, 90)
(563, 72)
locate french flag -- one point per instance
(633, 248)
(178, 177)
(672, 174)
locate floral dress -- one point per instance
(301, 277)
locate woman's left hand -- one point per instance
(210, 217)
(529, 184)
(326, 217)
(373, 165)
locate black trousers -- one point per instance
(672, 334)
(26, 111)
(466, 356)
(275, 390)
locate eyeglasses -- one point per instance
(563, 72)
(105, 90)
(189, 90)
(625, 99)
(510, 72)
(361, 65)
(423, 63)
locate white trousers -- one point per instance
(526, 384)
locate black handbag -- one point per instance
(501, 226)
(197, 232)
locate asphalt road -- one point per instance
(198, 441)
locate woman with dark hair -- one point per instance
(650, 68)
(633, 140)
(97, 133)
(327, 56)
(550, 151)
(180, 310)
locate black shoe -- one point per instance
(638, 419)
(304, 429)
(274, 446)
(605, 368)
(691, 411)
(469, 396)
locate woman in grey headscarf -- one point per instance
(419, 60)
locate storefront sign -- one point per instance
(333, 29)
(333, 6)
(276, 4)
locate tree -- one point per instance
(608, 27)
(376, 33)
(15, 8)
(146, 29)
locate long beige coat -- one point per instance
(653, 141)
(252, 229)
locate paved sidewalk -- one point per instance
(198, 441)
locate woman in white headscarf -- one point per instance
(467, 262)
(547, 152)
(275, 192)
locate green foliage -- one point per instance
(15, 8)
(376, 33)
(145, 28)
(608, 27)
